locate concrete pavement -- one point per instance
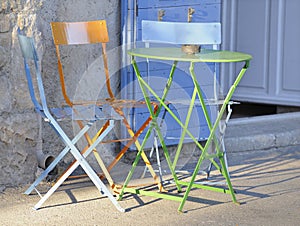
(266, 181)
(264, 163)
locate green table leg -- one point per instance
(211, 136)
(172, 114)
(153, 124)
(187, 120)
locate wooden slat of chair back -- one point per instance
(71, 33)
(181, 32)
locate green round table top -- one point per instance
(205, 55)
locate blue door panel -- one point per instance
(181, 90)
(157, 72)
(175, 3)
(202, 13)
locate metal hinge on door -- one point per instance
(161, 13)
(191, 11)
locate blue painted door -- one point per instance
(272, 37)
(156, 72)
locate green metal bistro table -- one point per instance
(175, 55)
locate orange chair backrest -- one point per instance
(71, 33)
(77, 33)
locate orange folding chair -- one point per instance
(95, 32)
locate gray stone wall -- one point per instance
(22, 132)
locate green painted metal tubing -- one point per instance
(186, 124)
(154, 194)
(222, 110)
(203, 105)
(152, 124)
(154, 115)
(171, 113)
(206, 55)
(226, 175)
(206, 187)
(134, 164)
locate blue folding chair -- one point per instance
(39, 100)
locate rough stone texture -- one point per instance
(17, 142)
(21, 129)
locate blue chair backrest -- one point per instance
(181, 32)
(29, 54)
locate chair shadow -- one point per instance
(273, 163)
(250, 168)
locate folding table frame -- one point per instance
(188, 34)
(39, 100)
